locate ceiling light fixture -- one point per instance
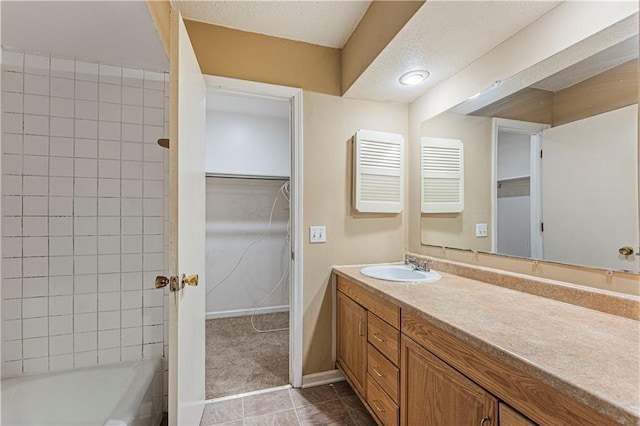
(413, 78)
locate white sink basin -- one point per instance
(401, 273)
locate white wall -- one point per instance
(590, 190)
(82, 211)
(514, 152)
(237, 214)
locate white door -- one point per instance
(187, 240)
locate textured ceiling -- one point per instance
(115, 32)
(443, 37)
(327, 23)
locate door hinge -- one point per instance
(541, 226)
(540, 153)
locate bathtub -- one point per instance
(128, 393)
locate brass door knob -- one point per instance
(191, 280)
(161, 281)
(626, 251)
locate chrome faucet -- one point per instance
(417, 264)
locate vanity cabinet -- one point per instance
(351, 342)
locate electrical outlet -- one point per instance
(481, 230)
(317, 234)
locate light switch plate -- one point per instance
(481, 230)
(317, 234)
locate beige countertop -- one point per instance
(589, 355)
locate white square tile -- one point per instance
(60, 186)
(11, 247)
(109, 282)
(153, 334)
(35, 287)
(86, 284)
(132, 206)
(87, 71)
(60, 265)
(154, 98)
(11, 288)
(130, 114)
(36, 365)
(153, 206)
(132, 77)
(85, 359)
(13, 60)
(60, 305)
(12, 206)
(109, 130)
(130, 317)
(13, 82)
(85, 341)
(131, 336)
(12, 123)
(152, 261)
(35, 266)
(12, 309)
(14, 102)
(60, 286)
(35, 348)
(85, 206)
(61, 166)
(61, 362)
(153, 152)
(36, 104)
(86, 91)
(35, 246)
(36, 64)
(131, 132)
(131, 353)
(86, 148)
(85, 303)
(12, 351)
(33, 125)
(110, 93)
(87, 266)
(153, 350)
(11, 330)
(86, 167)
(11, 143)
(85, 187)
(60, 226)
(108, 263)
(153, 225)
(132, 169)
(35, 185)
(131, 226)
(108, 206)
(132, 188)
(109, 356)
(109, 244)
(110, 74)
(61, 67)
(109, 150)
(151, 132)
(131, 262)
(132, 281)
(62, 324)
(109, 169)
(11, 267)
(108, 225)
(61, 107)
(132, 96)
(36, 84)
(61, 246)
(62, 88)
(11, 185)
(61, 344)
(35, 327)
(34, 226)
(153, 316)
(11, 226)
(35, 165)
(34, 307)
(60, 206)
(87, 110)
(153, 80)
(63, 127)
(61, 147)
(108, 339)
(109, 187)
(109, 112)
(12, 164)
(153, 189)
(85, 245)
(131, 244)
(85, 226)
(83, 323)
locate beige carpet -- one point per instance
(239, 359)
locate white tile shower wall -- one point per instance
(84, 197)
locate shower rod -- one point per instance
(234, 176)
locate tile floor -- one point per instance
(334, 404)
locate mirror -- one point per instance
(551, 170)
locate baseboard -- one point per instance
(322, 378)
(243, 312)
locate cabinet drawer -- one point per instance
(383, 372)
(384, 337)
(381, 404)
(384, 309)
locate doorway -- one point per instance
(253, 265)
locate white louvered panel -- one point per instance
(378, 172)
(442, 167)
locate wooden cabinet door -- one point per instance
(434, 394)
(510, 417)
(351, 341)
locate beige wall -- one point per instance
(329, 124)
(459, 229)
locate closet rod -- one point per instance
(232, 176)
